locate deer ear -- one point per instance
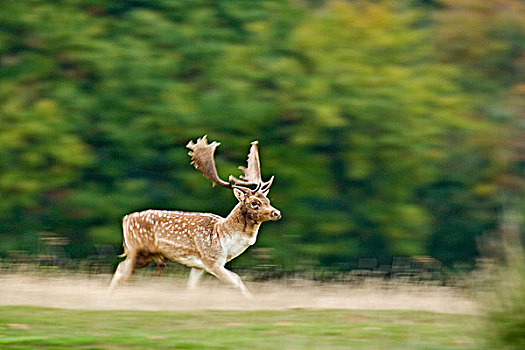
(238, 194)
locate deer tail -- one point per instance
(124, 254)
(125, 234)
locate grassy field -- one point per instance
(47, 328)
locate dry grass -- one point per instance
(77, 291)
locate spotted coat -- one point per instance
(202, 241)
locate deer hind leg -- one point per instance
(227, 276)
(193, 279)
(124, 270)
(135, 260)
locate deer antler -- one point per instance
(202, 155)
(252, 174)
(202, 158)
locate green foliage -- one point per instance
(372, 104)
(485, 38)
(363, 119)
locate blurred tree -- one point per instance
(361, 116)
(375, 106)
(485, 40)
(40, 153)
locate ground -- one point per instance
(53, 311)
(166, 293)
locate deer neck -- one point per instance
(238, 222)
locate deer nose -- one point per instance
(276, 214)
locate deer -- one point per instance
(201, 241)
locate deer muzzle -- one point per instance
(276, 215)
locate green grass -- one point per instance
(291, 329)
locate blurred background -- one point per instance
(395, 129)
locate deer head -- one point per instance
(255, 204)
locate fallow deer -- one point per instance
(202, 241)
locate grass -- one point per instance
(45, 328)
(505, 303)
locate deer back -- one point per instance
(179, 236)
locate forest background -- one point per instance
(393, 128)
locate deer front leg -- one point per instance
(227, 276)
(193, 279)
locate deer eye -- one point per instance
(255, 204)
